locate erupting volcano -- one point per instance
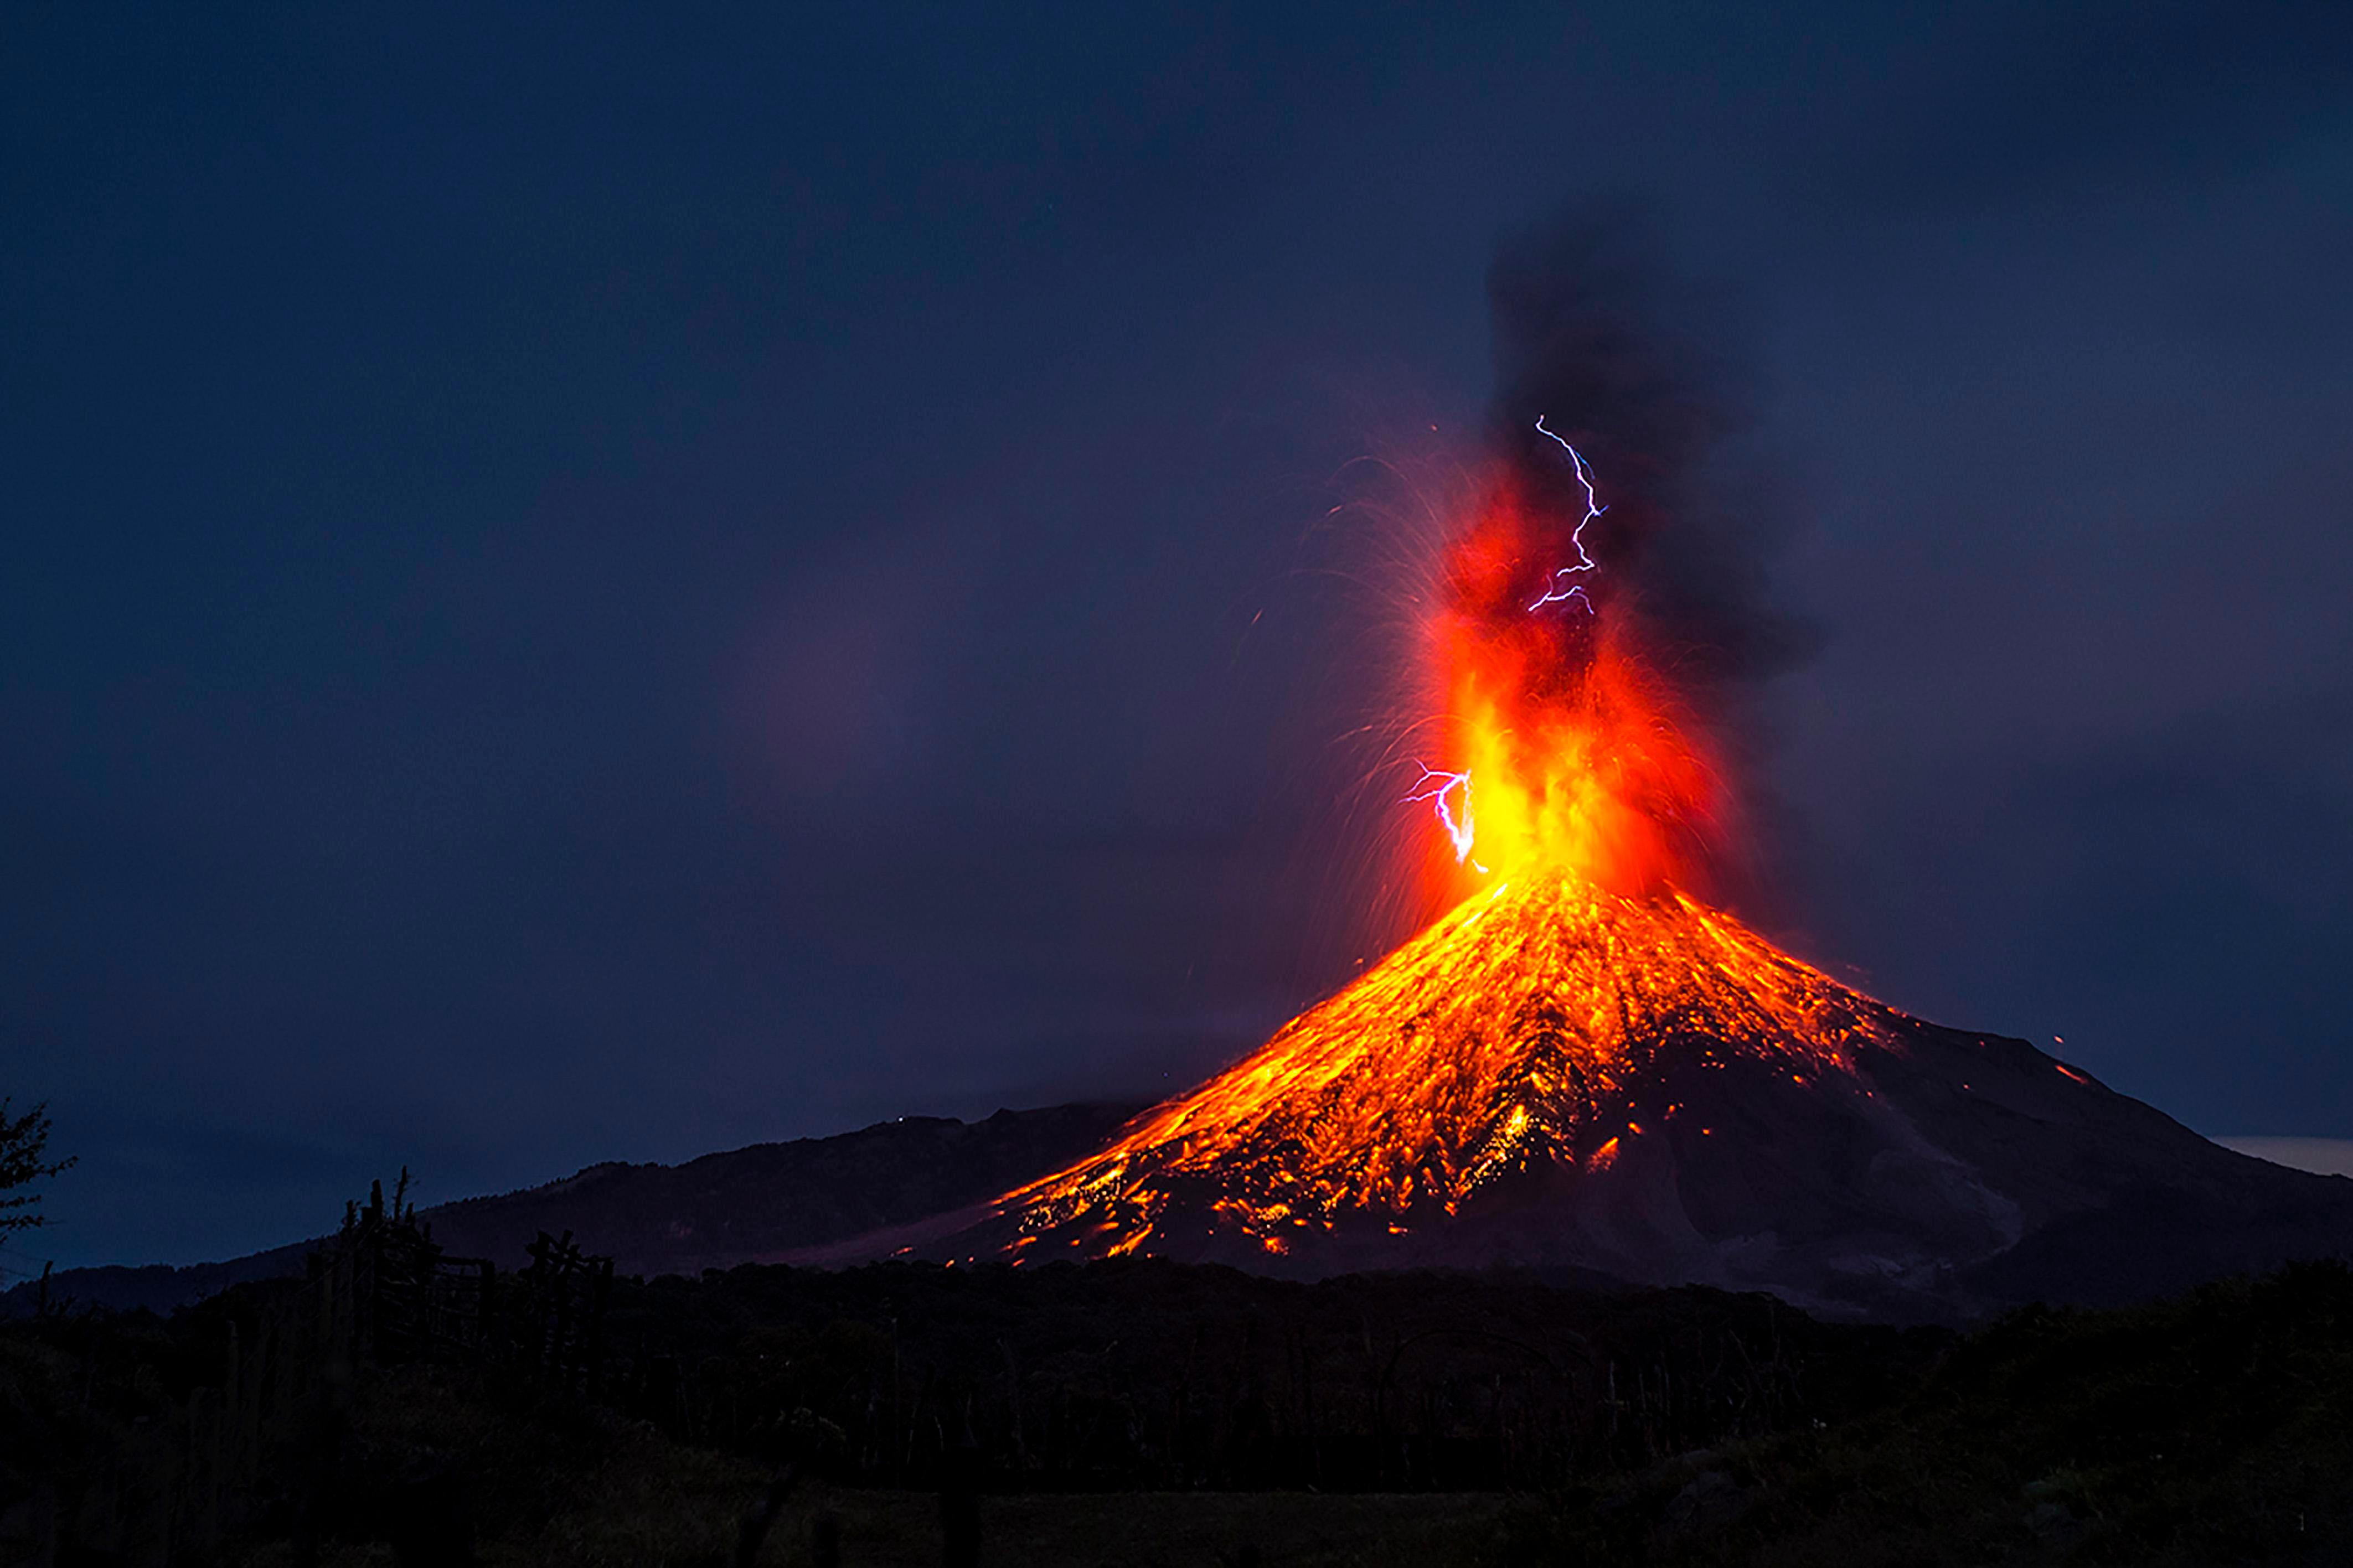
(1580, 1062)
(1516, 1065)
(1537, 1025)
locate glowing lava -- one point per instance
(1516, 1033)
(1581, 754)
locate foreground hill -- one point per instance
(1142, 1411)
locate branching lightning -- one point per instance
(1557, 589)
(1434, 786)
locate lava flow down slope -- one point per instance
(1581, 1061)
(1560, 1077)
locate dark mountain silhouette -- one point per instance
(753, 1205)
(745, 1206)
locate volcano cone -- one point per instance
(1556, 1076)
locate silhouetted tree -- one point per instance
(24, 1160)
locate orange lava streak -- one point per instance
(1496, 1040)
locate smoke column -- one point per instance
(1623, 360)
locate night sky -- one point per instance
(585, 585)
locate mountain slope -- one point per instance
(751, 1205)
(1557, 1076)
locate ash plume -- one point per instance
(1596, 333)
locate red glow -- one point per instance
(1580, 757)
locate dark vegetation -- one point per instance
(1147, 1374)
(2216, 1428)
(24, 1160)
(399, 1406)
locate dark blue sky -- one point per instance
(589, 585)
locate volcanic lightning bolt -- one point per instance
(1555, 593)
(1434, 786)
